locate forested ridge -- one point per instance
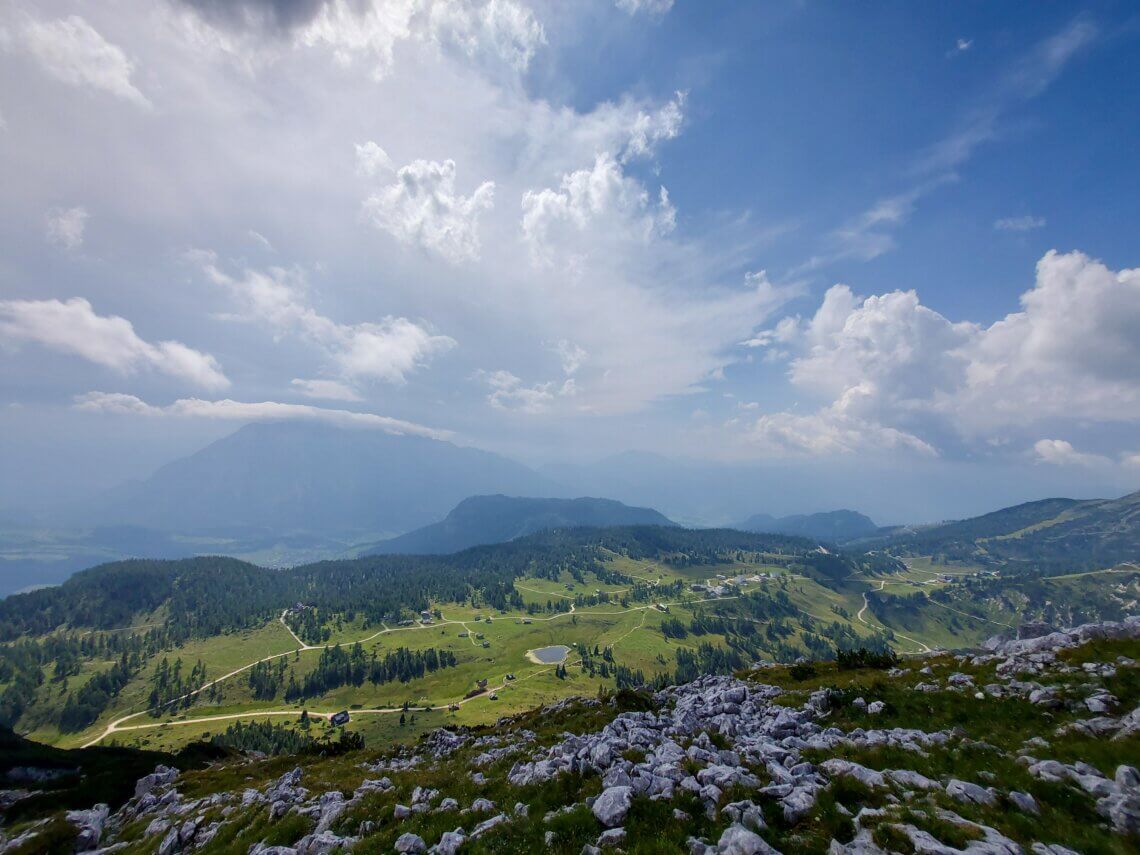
(206, 596)
(162, 605)
(1036, 538)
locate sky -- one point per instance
(876, 238)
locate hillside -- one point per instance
(829, 526)
(1023, 748)
(1053, 535)
(496, 519)
(296, 476)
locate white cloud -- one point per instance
(499, 28)
(1131, 459)
(422, 208)
(1019, 224)
(371, 30)
(1060, 452)
(509, 393)
(121, 404)
(891, 361)
(649, 129)
(388, 350)
(1073, 348)
(592, 206)
(963, 45)
(891, 341)
(353, 31)
(329, 390)
(829, 432)
(371, 160)
(74, 52)
(65, 226)
(74, 328)
(570, 355)
(658, 313)
(650, 7)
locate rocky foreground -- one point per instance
(1031, 745)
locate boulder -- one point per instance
(738, 840)
(969, 793)
(162, 776)
(89, 826)
(487, 824)
(837, 768)
(610, 837)
(1024, 802)
(408, 842)
(612, 806)
(449, 842)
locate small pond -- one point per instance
(549, 655)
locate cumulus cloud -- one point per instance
(120, 404)
(74, 52)
(422, 207)
(73, 327)
(650, 128)
(509, 393)
(65, 226)
(1073, 348)
(370, 31)
(1060, 452)
(599, 203)
(388, 350)
(1019, 224)
(499, 28)
(830, 431)
(894, 363)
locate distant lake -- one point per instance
(550, 655)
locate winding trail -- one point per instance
(925, 648)
(295, 636)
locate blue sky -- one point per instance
(871, 237)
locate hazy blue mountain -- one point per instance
(497, 519)
(293, 476)
(833, 526)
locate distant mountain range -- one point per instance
(284, 493)
(1049, 534)
(832, 526)
(482, 520)
(297, 476)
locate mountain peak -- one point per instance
(479, 520)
